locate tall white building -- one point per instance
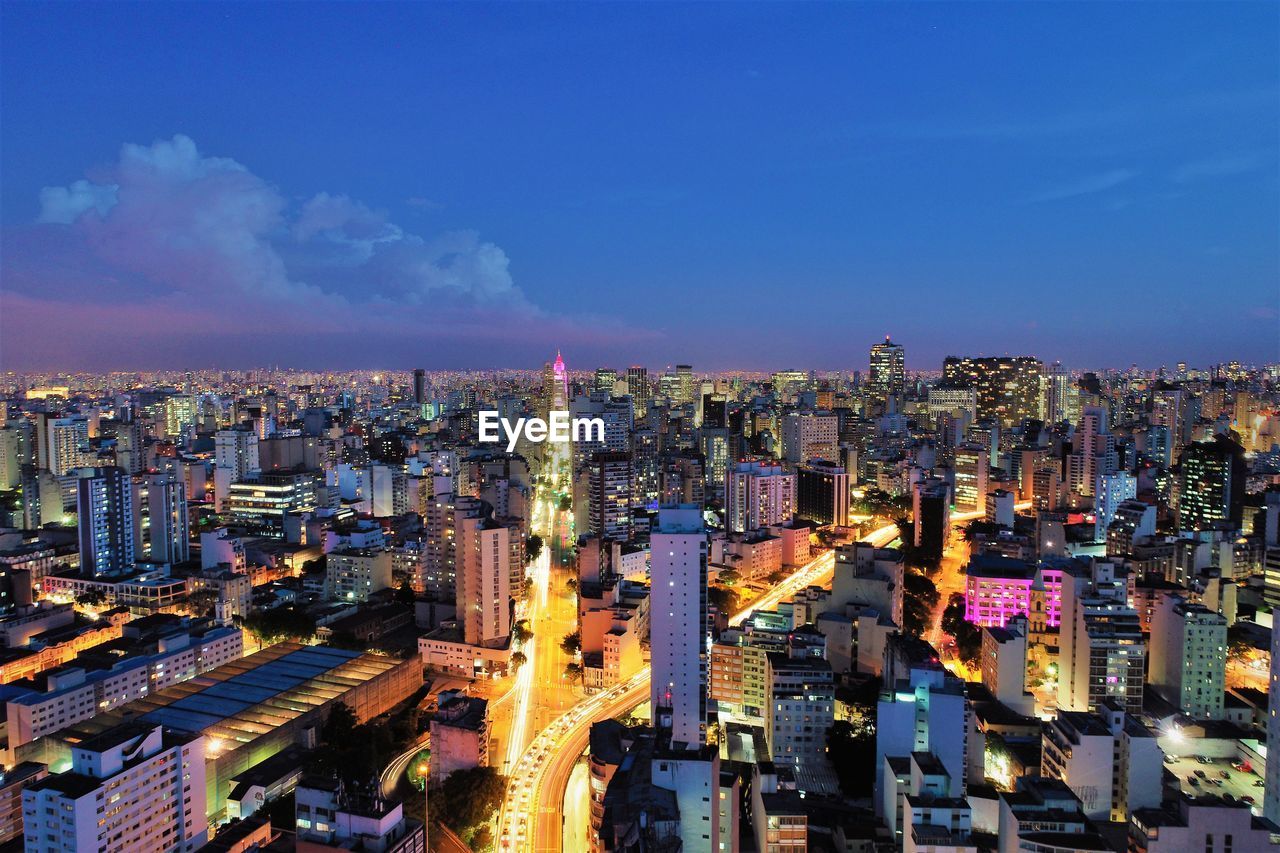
(973, 470)
(1189, 656)
(484, 580)
(758, 494)
(1093, 452)
(1110, 490)
(67, 439)
(678, 616)
(162, 531)
(809, 435)
(236, 450)
(1102, 649)
(133, 787)
(1271, 799)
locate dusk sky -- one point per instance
(745, 185)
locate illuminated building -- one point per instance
(252, 708)
(330, 815)
(758, 494)
(1094, 453)
(887, 376)
(1102, 650)
(259, 504)
(1110, 491)
(354, 574)
(1110, 760)
(134, 786)
(1060, 395)
(1007, 388)
(822, 493)
(161, 530)
(947, 398)
(1211, 484)
(1188, 657)
(483, 580)
(809, 435)
(609, 495)
(678, 603)
(972, 470)
(638, 389)
(997, 589)
(104, 505)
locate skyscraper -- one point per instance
(678, 603)
(555, 387)
(638, 388)
(419, 386)
(104, 503)
(758, 494)
(1211, 484)
(161, 528)
(887, 376)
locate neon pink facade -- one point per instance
(992, 599)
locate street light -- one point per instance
(426, 814)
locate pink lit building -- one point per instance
(999, 588)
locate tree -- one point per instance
(272, 626)
(919, 598)
(723, 599)
(728, 577)
(339, 725)
(405, 593)
(520, 632)
(573, 672)
(202, 602)
(968, 636)
(468, 799)
(572, 643)
(571, 584)
(92, 598)
(851, 751)
(533, 548)
(566, 503)
(518, 659)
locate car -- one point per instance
(1202, 759)
(1228, 798)
(1247, 798)
(1170, 759)
(1259, 783)
(1193, 780)
(1202, 774)
(1224, 774)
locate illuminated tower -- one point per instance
(887, 377)
(555, 387)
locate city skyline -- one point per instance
(850, 168)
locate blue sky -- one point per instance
(736, 185)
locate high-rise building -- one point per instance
(484, 580)
(606, 378)
(137, 786)
(810, 435)
(237, 451)
(972, 470)
(104, 503)
(1211, 484)
(822, 493)
(1271, 798)
(609, 495)
(678, 610)
(684, 383)
(68, 441)
(1189, 657)
(419, 386)
(162, 530)
(1093, 452)
(555, 387)
(638, 389)
(1007, 388)
(887, 377)
(1110, 490)
(1060, 400)
(758, 494)
(1102, 649)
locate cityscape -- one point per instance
(647, 427)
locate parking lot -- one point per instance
(1236, 783)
